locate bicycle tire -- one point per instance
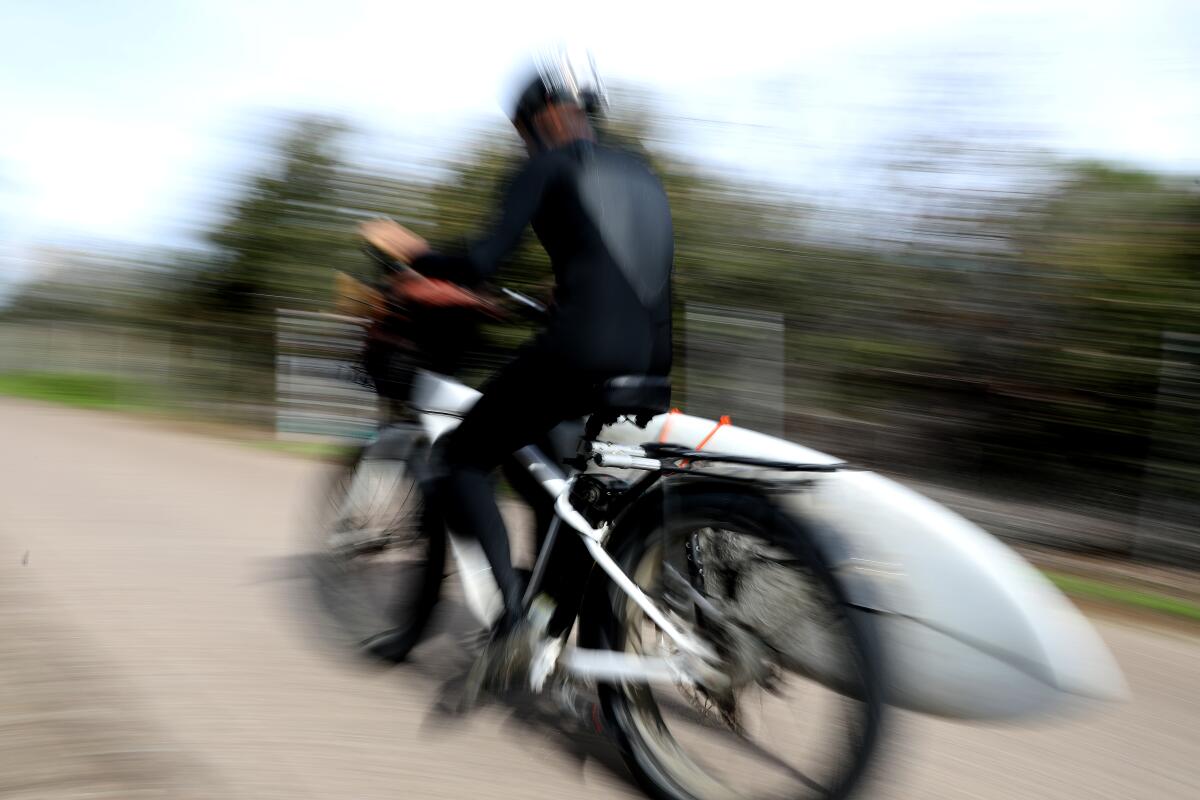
(603, 626)
(377, 624)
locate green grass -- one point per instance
(107, 393)
(321, 450)
(1097, 590)
(82, 390)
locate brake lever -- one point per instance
(524, 300)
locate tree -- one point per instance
(289, 231)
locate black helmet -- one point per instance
(560, 76)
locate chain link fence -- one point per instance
(732, 362)
(319, 391)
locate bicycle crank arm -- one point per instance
(607, 666)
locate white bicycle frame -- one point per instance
(441, 403)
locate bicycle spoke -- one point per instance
(373, 563)
(720, 585)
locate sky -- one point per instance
(119, 118)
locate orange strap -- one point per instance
(720, 424)
(666, 428)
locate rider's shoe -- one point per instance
(517, 654)
(502, 664)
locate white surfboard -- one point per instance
(970, 629)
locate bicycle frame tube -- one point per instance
(558, 486)
(483, 595)
(480, 590)
(543, 469)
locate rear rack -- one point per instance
(678, 453)
(676, 459)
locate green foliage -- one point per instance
(284, 236)
(81, 390)
(1096, 590)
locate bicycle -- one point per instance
(699, 582)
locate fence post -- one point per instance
(1168, 526)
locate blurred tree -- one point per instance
(289, 231)
(276, 247)
(274, 250)
(1002, 309)
(1118, 251)
(103, 285)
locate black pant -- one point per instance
(520, 404)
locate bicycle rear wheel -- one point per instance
(379, 556)
(802, 718)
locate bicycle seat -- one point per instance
(642, 396)
(639, 396)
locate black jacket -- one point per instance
(604, 220)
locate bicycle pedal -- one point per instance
(545, 660)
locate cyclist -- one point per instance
(604, 221)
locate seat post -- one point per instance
(595, 423)
(591, 432)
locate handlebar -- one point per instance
(523, 303)
(526, 303)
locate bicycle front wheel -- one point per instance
(379, 556)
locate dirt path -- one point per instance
(153, 644)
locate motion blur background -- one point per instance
(954, 240)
